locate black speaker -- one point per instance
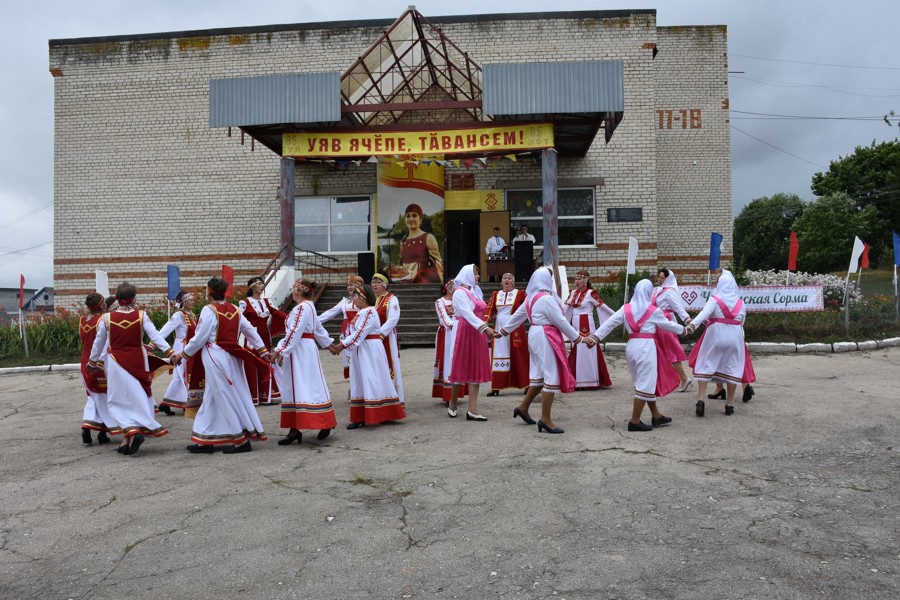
(524, 257)
(365, 265)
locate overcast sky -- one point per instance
(798, 58)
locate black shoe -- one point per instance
(293, 436)
(102, 438)
(517, 412)
(136, 442)
(163, 408)
(542, 427)
(123, 449)
(474, 417)
(494, 393)
(729, 410)
(245, 447)
(640, 426)
(660, 421)
(720, 395)
(86, 435)
(201, 449)
(356, 425)
(323, 433)
(748, 393)
(450, 413)
(701, 408)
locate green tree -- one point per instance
(826, 229)
(870, 177)
(762, 231)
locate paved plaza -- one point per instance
(795, 496)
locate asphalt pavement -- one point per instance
(794, 496)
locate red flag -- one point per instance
(228, 275)
(792, 254)
(864, 260)
(21, 291)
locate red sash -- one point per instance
(566, 379)
(667, 379)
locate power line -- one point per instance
(26, 249)
(777, 148)
(810, 117)
(26, 215)
(818, 64)
(824, 87)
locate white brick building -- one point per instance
(143, 181)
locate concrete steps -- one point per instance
(418, 320)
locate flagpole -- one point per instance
(23, 330)
(858, 277)
(846, 303)
(896, 298)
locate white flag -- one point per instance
(632, 255)
(858, 248)
(102, 284)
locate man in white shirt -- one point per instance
(495, 244)
(523, 236)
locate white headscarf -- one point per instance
(727, 289)
(466, 277)
(542, 281)
(640, 301)
(670, 281)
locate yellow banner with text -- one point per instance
(321, 144)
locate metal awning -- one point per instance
(577, 97)
(414, 76)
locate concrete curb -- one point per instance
(40, 368)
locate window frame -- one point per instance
(559, 218)
(329, 225)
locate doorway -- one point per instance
(463, 244)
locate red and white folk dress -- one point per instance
(306, 402)
(509, 355)
(129, 369)
(587, 364)
(96, 412)
(373, 397)
(257, 313)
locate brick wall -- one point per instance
(693, 147)
(141, 180)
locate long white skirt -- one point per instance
(395, 360)
(129, 405)
(721, 355)
(305, 399)
(177, 393)
(640, 357)
(227, 415)
(96, 413)
(373, 398)
(543, 368)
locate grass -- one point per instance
(37, 360)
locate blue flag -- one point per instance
(896, 249)
(715, 250)
(173, 279)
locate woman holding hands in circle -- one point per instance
(471, 357)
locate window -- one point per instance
(333, 223)
(575, 214)
(625, 215)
